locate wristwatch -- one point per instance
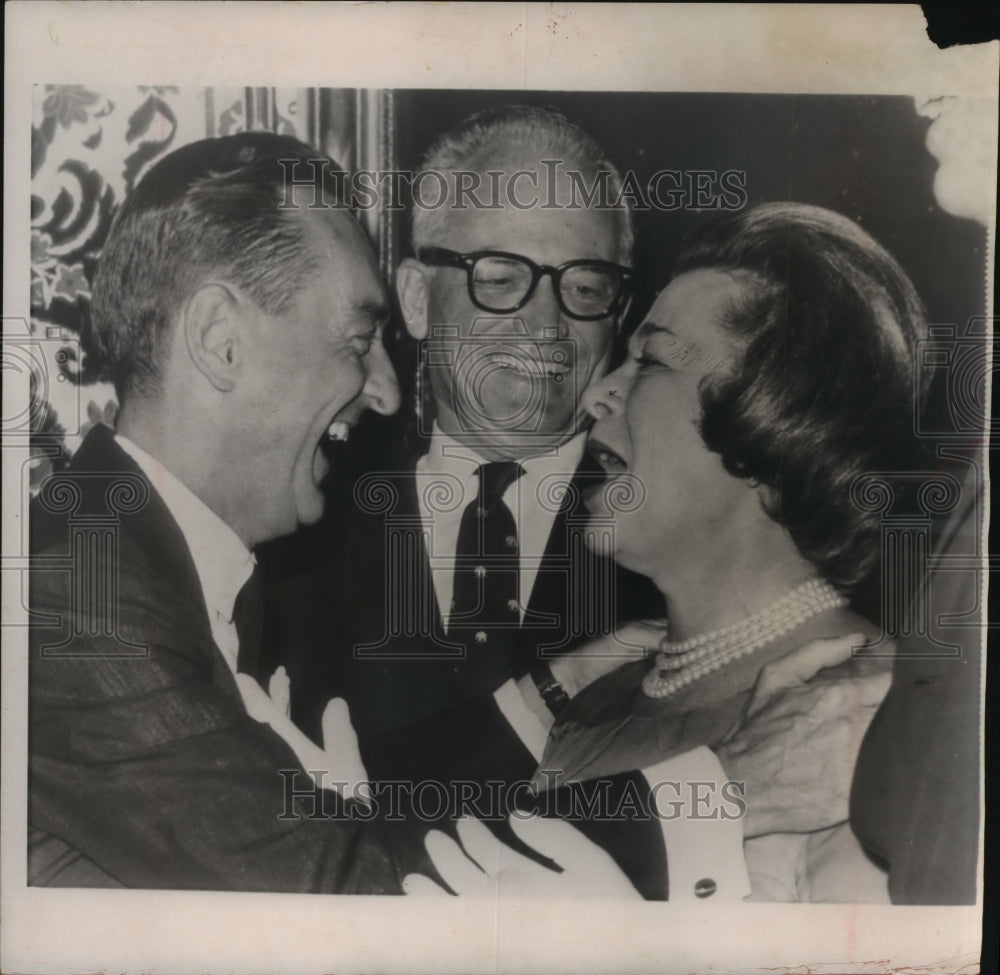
(552, 692)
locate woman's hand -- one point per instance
(337, 765)
(797, 742)
(488, 868)
(583, 666)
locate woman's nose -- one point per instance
(606, 397)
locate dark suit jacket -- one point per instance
(366, 626)
(145, 769)
(915, 797)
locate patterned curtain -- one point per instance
(88, 149)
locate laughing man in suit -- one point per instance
(238, 331)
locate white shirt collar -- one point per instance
(447, 456)
(533, 504)
(222, 561)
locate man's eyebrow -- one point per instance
(371, 311)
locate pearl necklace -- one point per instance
(681, 664)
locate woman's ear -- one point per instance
(412, 281)
(212, 326)
(767, 495)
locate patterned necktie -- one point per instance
(248, 618)
(485, 611)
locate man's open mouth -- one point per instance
(326, 456)
(338, 430)
(609, 459)
(320, 466)
(529, 367)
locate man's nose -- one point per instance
(606, 397)
(381, 389)
(544, 313)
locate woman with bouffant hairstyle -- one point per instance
(770, 376)
(825, 390)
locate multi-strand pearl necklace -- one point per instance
(680, 664)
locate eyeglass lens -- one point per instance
(502, 283)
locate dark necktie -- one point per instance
(485, 612)
(248, 618)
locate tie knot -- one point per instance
(495, 478)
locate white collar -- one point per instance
(222, 561)
(447, 456)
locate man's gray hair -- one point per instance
(524, 133)
(213, 207)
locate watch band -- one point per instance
(551, 691)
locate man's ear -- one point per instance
(212, 325)
(412, 281)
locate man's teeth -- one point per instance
(529, 367)
(510, 362)
(337, 430)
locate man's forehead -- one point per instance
(544, 234)
(338, 228)
(348, 265)
(555, 172)
(504, 197)
(339, 238)
(510, 157)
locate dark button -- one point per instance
(705, 887)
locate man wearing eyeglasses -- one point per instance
(516, 309)
(515, 294)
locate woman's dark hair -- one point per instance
(825, 388)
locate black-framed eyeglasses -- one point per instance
(502, 283)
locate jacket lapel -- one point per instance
(154, 535)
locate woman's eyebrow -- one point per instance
(650, 327)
